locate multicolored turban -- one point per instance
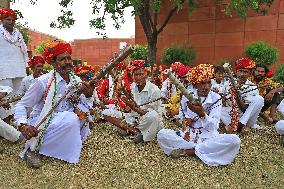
(136, 64)
(245, 63)
(183, 70)
(54, 48)
(35, 60)
(4, 13)
(176, 65)
(84, 71)
(201, 73)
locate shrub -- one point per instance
(279, 74)
(24, 31)
(140, 53)
(40, 48)
(262, 53)
(183, 54)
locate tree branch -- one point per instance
(171, 13)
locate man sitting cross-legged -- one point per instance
(143, 121)
(248, 101)
(200, 135)
(62, 134)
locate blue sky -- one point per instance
(39, 17)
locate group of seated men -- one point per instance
(54, 116)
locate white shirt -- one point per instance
(26, 83)
(207, 126)
(149, 93)
(12, 59)
(222, 87)
(34, 97)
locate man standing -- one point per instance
(13, 51)
(62, 134)
(200, 134)
(144, 121)
(269, 90)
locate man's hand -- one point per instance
(87, 89)
(196, 108)
(269, 96)
(28, 131)
(132, 104)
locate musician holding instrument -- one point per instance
(269, 90)
(249, 102)
(200, 135)
(56, 128)
(144, 120)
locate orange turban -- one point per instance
(201, 73)
(35, 60)
(176, 65)
(4, 13)
(245, 63)
(54, 48)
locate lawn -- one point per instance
(108, 161)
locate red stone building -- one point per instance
(216, 36)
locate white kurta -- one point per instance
(211, 147)
(222, 87)
(65, 134)
(26, 83)
(280, 124)
(250, 95)
(151, 122)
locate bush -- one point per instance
(279, 74)
(140, 53)
(183, 54)
(262, 53)
(40, 48)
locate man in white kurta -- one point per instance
(201, 136)
(250, 99)
(13, 51)
(280, 124)
(61, 136)
(146, 118)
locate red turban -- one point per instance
(54, 48)
(182, 71)
(35, 60)
(4, 13)
(201, 73)
(176, 65)
(245, 63)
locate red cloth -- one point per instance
(183, 70)
(137, 63)
(245, 63)
(54, 48)
(103, 89)
(35, 60)
(4, 13)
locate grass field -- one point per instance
(108, 161)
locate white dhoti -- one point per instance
(14, 83)
(247, 118)
(280, 127)
(8, 131)
(63, 138)
(149, 124)
(219, 150)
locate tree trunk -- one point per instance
(152, 50)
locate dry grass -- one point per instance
(110, 162)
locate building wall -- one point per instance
(97, 51)
(216, 36)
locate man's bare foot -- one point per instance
(32, 159)
(266, 118)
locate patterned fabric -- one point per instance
(245, 63)
(265, 85)
(4, 13)
(54, 48)
(201, 73)
(35, 60)
(84, 72)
